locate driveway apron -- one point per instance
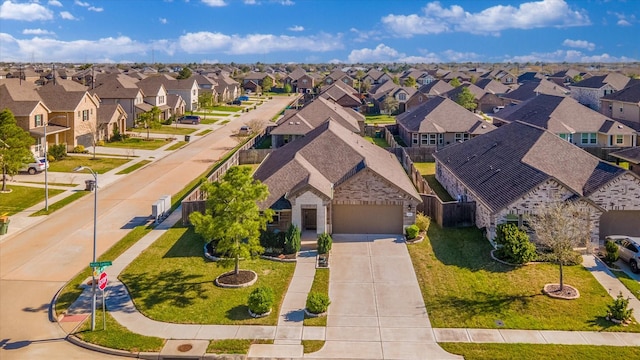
(377, 310)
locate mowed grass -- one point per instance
(137, 143)
(233, 346)
(321, 285)
(428, 172)
(226, 108)
(630, 283)
(100, 164)
(464, 288)
(380, 119)
(133, 167)
(377, 141)
(540, 351)
(61, 203)
(165, 129)
(21, 198)
(172, 282)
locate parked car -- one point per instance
(189, 119)
(243, 98)
(236, 102)
(628, 250)
(244, 130)
(38, 165)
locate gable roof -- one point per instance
(21, 99)
(58, 98)
(323, 159)
(116, 86)
(437, 87)
(336, 92)
(505, 164)
(562, 115)
(616, 80)
(314, 114)
(531, 89)
(442, 115)
(492, 86)
(629, 94)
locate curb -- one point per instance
(105, 350)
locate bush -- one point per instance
(618, 309)
(80, 149)
(261, 300)
(412, 231)
(58, 152)
(270, 239)
(100, 143)
(292, 240)
(422, 221)
(324, 243)
(612, 252)
(317, 303)
(514, 244)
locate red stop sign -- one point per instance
(102, 282)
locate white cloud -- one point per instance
(382, 53)
(456, 56)
(210, 61)
(204, 42)
(54, 3)
(37, 32)
(286, 2)
(250, 2)
(580, 44)
(567, 56)
(25, 12)
(96, 9)
(80, 3)
(296, 28)
(530, 15)
(420, 59)
(214, 3)
(163, 21)
(623, 23)
(67, 15)
(623, 19)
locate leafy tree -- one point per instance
(150, 119)
(561, 226)
(455, 82)
(14, 146)
(267, 84)
(390, 104)
(515, 246)
(205, 99)
(396, 80)
(577, 78)
(466, 99)
(409, 81)
(287, 88)
(85, 66)
(185, 73)
(232, 215)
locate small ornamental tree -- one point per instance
(261, 300)
(232, 215)
(324, 243)
(14, 146)
(612, 252)
(514, 244)
(267, 84)
(619, 308)
(150, 119)
(292, 240)
(422, 222)
(466, 99)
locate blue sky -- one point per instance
(319, 31)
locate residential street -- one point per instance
(36, 262)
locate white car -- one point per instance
(36, 166)
(628, 250)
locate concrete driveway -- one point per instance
(377, 310)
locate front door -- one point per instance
(309, 218)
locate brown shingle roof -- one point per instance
(442, 115)
(316, 113)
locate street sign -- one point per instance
(102, 282)
(99, 264)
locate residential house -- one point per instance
(426, 92)
(530, 76)
(631, 156)
(339, 75)
(226, 88)
(123, 90)
(187, 88)
(439, 122)
(73, 107)
(297, 124)
(112, 120)
(253, 81)
(502, 76)
(376, 77)
(531, 89)
(402, 94)
(514, 170)
(155, 94)
(623, 105)
(339, 191)
(342, 94)
(31, 113)
(589, 91)
(569, 120)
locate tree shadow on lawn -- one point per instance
(484, 303)
(189, 244)
(170, 286)
(464, 248)
(240, 312)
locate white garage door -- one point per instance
(367, 219)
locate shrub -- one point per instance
(612, 252)
(100, 143)
(292, 240)
(317, 303)
(514, 243)
(80, 149)
(58, 151)
(261, 300)
(618, 309)
(324, 243)
(271, 239)
(412, 231)
(422, 221)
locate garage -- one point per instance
(367, 219)
(620, 222)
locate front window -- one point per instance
(568, 137)
(402, 97)
(588, 138)
(85, 115)
(415, 138)
(460, 137)
(619, 139)
(38, 120)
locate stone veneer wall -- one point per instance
(622, 193)
(369, 188)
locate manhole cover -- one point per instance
(185, 347)
(499, 322)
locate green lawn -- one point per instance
(133, 167)
(137, 143)
(321, 285)
(22, 197)
(172, 282)
(428, 171)
(117, 336)
(233, 346)
(61, 203)
(630, 283)
(100, 165)
(464, 288)
(380, 119)
(540, 351)
(177, 145)
(378, 141)
(209, 121)
(227, 108)
(311, 346)
(165, 129)
(426, 168)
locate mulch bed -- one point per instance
(243, 277)
(280, 256)
(568, 292)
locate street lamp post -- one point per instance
(95, 212)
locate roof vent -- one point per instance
(484, 126)
(297, 122)
(620, 126)
(290, 122)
